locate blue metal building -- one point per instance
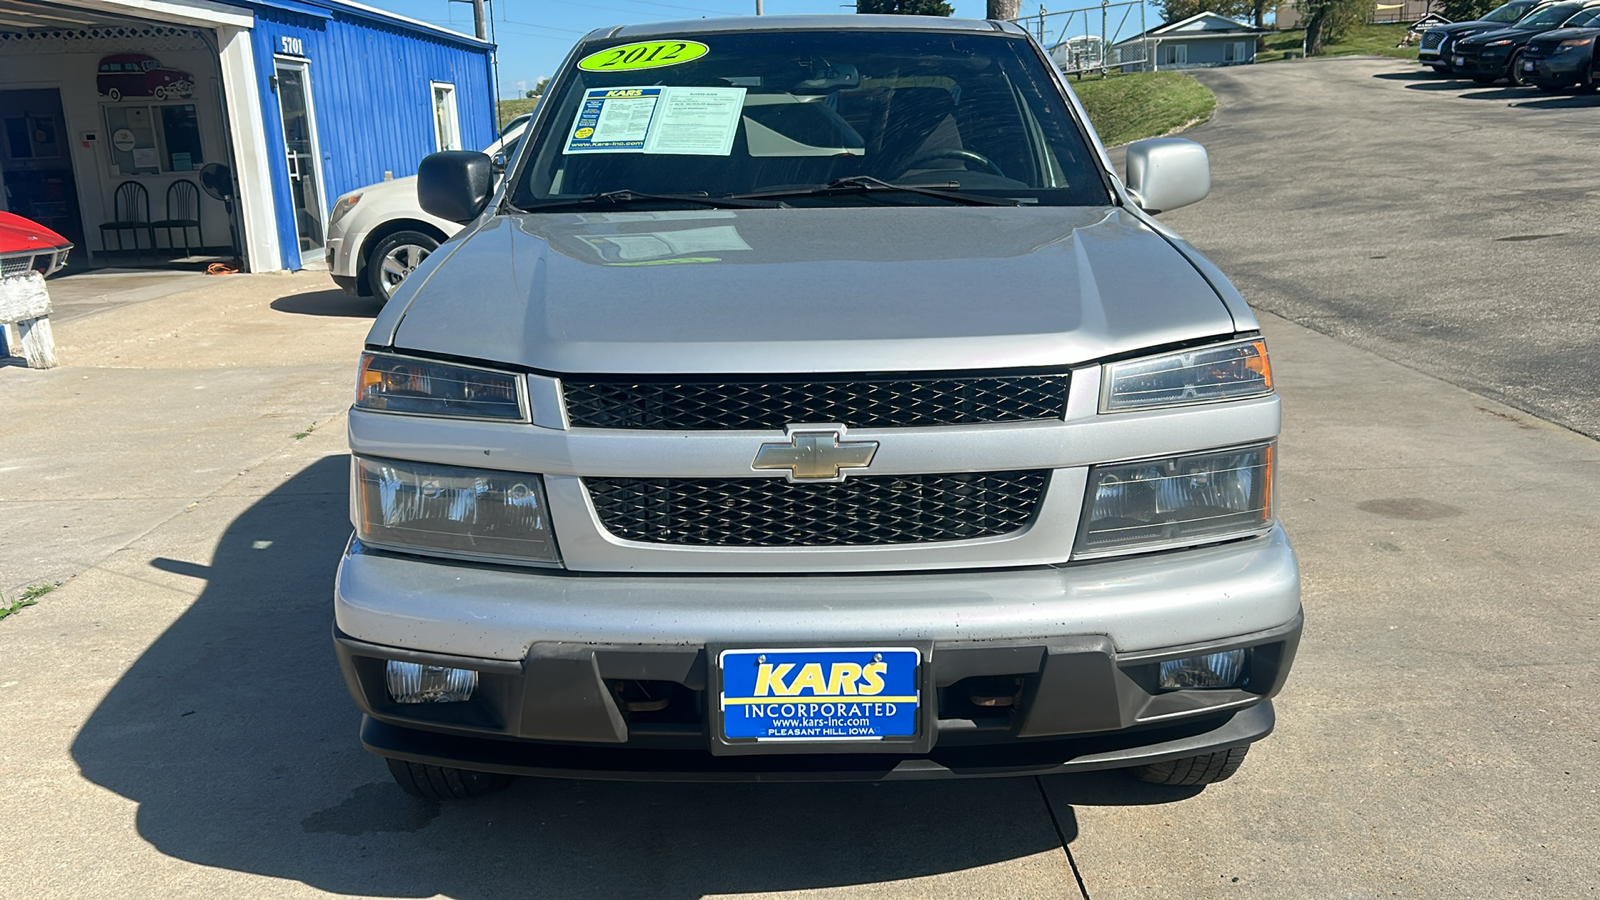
(359, 94)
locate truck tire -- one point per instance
(440, 783)
(1194, 770)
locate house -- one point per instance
(1386, 11)
(1202, 40)
(243, 119)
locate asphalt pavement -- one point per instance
(172, 722)
(1446, 225)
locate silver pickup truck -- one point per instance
(810, 400)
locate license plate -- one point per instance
(820, 694)
(1461, 60)
(1527, 65)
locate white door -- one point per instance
(300, 146)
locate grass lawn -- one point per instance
(1126, 108)
(510, 109)
(1373, 40)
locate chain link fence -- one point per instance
(1094, 38)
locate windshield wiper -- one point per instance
(866, 184)
(626, 196)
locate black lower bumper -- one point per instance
(991, 708)
(1047, 757)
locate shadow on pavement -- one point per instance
(1558, 101)
(1484, 92)
(333, 302)
(235, 737)
(1446, 86)
(1411, 76)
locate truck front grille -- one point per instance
(860, 401)
(1432, 40)
(772, 512)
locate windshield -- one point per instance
(1585, 19)
(1509, 13)
(1550, 16)
(789, 110)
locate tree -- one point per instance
(538, 89)
(1329, 21)
(905, 7)
(1465, 10)
(1178, 10)
(1005, 9)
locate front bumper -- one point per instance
(1470, 64)
(1073, 650)
(1558, 69)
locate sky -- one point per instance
(535, 35)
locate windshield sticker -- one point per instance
(646, 55)
(696, 121)
(676, 121)
(613, 120)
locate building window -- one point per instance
(1175, 54)
(1236, 51)
(446, 126)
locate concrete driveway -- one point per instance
(174, 725)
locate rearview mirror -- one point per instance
(1166, 173)
(455, 184)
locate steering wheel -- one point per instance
(966, 156)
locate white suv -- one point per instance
(378, 234)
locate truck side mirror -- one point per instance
(455, 184)
(1166, 173)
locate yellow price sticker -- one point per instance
(645, 55)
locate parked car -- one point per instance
(1438, 42)
(137, 75)
(812, 400)
(378, 235)
(1564, 57)
(27, 246)
(1489, 56)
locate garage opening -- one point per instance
(113, 133)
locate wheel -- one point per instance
(440, 783)
(1194, 770)
(395, 257)
(114, 95)
(1514, 74)
(159, 92)
(960, 153)
(1443, 70)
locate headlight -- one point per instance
(1567, 45)
(1497, 43)
(473, 513)
(342, 208)
(1158, 503)
(1228, 371)
(401, 384)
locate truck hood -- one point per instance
(881, 289)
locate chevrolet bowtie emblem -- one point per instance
(816, 453)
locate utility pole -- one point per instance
(758, 7)
(479, 20)
(1005, 9)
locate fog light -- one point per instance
(417, 683)
(1213, 670)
